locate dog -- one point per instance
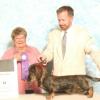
(71, 84)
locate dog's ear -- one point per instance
(32, 68)
(31, 71)
(38, 71)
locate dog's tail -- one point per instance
(93, 78)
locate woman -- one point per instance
(22, 51)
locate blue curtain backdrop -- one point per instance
(38, 17)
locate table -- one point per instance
(58, 97)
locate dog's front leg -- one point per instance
(50, 96)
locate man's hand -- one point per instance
(42, 59)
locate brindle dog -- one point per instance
(71, 84)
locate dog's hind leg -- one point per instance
(85, 86)
(90, 92)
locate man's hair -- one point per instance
(18, 31)
(66, 8)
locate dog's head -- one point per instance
(37, 72)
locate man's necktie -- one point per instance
(64, 44)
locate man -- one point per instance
(78, 43)
(25, 56)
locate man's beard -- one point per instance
(64, 27)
